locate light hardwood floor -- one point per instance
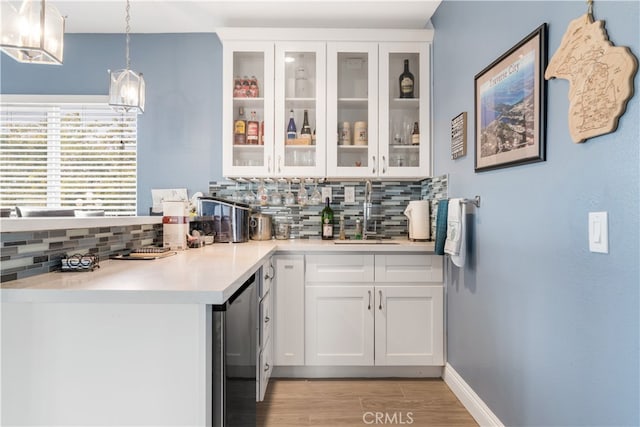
(357, 402)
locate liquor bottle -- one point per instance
(240, 129)
(261, 140)
(415, 134)
(305, 132)
(253, 130)
(313, 137)
(327, 221)
(291, 128)
(406, 82)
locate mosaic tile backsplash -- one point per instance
(25, 254)
(389, 200)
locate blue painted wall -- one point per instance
(179, 135)
(544, 331)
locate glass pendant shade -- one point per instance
(35, 34)
(126, 91)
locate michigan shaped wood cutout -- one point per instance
(600, 78)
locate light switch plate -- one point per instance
(598, 232)
(326, 192)
(349, 194)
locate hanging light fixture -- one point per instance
(35, 34)
(126, 87)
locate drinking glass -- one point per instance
(276, 197)
(289, 198)
(302, 194)
(236, 196)
(249, 196)
(316, 196)
(262, 194)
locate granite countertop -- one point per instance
(208, 275)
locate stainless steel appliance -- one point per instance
(235, 328)
(229, 221)
(260, 227)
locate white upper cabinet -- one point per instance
(352, 116)
(246, 63)
(403, 152)
(348, 83)
(300, 87)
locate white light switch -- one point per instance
(326, 192)
(349, 194)
(598, 232)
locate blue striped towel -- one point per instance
(441, 225)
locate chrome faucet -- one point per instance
(367, 207)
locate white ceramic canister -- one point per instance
(360, 133)
(345, 134)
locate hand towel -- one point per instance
(455, 243)
(441, 226)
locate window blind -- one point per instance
(68, 155)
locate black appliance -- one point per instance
(234, 358)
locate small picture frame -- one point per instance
(510, 106)
(459, 135)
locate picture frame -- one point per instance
(510, 106)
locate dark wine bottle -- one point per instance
(327, 221)
(291, 128)
(406, 82)
(305, 132)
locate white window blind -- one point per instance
(68, 155)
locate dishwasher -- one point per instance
(234, 358)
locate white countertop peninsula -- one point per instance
(208, 275)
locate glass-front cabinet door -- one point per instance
(300, 109)
(248, 109)
(404, 144)
(352, 109)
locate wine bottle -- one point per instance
(327, 221)
(305, 132)
(406, 82)
(415, 134)
(291, 128)
(240, 129)
(253, 129)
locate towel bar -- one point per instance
(475, 201)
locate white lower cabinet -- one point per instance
(409, 325)
(395, 321)
(339, 325)
(288, 292)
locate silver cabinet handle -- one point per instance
(269, 164)
(384, 165)
(266, 367)
(273, 270)
(380, 306)
(369, 306)
(266, 319)
(279, 164)
(373, 170)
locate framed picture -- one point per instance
(510, 106)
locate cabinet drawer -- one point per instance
(408, 268)
(343, 268)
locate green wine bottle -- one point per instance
(327, 221)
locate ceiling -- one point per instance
(193, 16)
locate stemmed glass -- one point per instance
(289, 198)
(302, 194)
(316, 197)
(262, 194)
(276, 197)
(249, 196)
(236, 196)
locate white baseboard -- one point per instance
(357, 372)
(476, 407)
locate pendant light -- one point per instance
(126, 87)
(35, 34)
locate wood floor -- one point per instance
(361, 402)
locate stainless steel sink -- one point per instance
(365, 242)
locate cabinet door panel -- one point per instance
(339, 325)
(288, 290)
(352, 97)
(409, 325)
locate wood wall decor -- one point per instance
(600, 77)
